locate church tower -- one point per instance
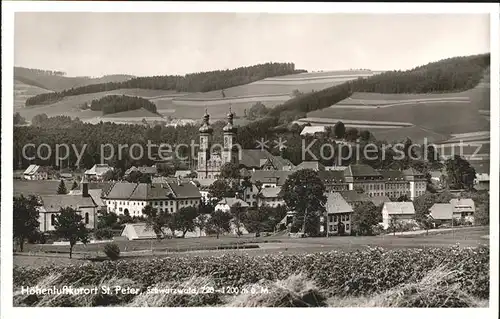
(205, 145)
(229, 153)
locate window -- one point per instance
(335, 228)
(347, 217)
(52, 219)
(171, 210)
(171, 203)
(86, 218)
(331, 218)
(331, 228)
(342, 218)
(335, 218)
(346, 226)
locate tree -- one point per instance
(74, 186)
(365, 216)
(158, 220)
(365, 135)
(426, 223)
(138, 177)
(339, 130)
(482, 215)
(18, 119)
(220, 189)
(61, 189)
(460, 173)
(304, 193)
(185, 219)
(201, 221)
(69, 225)
(237, 212)
(25, 219)
(352, 134)
(220, 222)
(106, 219)
(230, 171)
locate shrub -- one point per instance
(103, 233)
(112, 251)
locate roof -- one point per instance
(412, 172)
(231, 202)
(98, 169)
(393, 175)
(335, 168)
(256, 158)
(311, 130)
(96, 195)
(278, 177)
(399, 208)
(462, 205)
(32, 169)
(271, 192)
(331, 176)
(121, 190)
(361, 170)
(314, 165)
(140, 230)
(380, 200)
(441, 211)
(142, 169)
(336, 204)
(182, 173)
(353, 196)
(54, 203)
(185, 190)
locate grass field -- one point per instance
(23, 187)
(24, 91)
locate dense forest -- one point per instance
(194, 82)
(120, 103)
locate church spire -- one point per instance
(205, 126)
(229, 128)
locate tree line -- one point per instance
(110, 104)
(193, 82)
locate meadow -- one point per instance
(42, 187)
(369, 277)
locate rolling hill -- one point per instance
(57, 81)
(178, 105)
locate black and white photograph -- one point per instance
(232, 158)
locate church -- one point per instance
(212, 157)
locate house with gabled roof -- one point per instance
(35, 172)
(463, 208)
(442, 212)
(400, 211)
(338, 214)
(97, 171)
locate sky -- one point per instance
(146, 44)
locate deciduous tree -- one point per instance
(25, 219)
(69, 225)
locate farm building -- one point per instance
(35, 172)
(400, 211)
(312, 130)
(442, 212)
(338, 214)
(97, 171)
(463, 208)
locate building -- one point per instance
(463, 208)
(334, 181)
(138, 231)
(210, 160)
(400, 211)
(83, 204)
(97, 172)
(361, 177)
(380, 200)
(313, 130)
(396, 184)
(354, 198)
(338, 215)
(145, 170)
(35, 173)
(271, 196)
(482, 182)
(417, 181)
(442, 212)
(314, 165)
(131, 198)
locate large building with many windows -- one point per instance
(130, 198)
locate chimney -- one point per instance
(85, 186)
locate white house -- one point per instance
(35, 172)
(97, 171)
(400, 211)
(311, 130)
(338, 214)
(463, 208)
(271, 196)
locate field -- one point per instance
(47, 187)
(179, 105)
(24, 91)
(428, 276)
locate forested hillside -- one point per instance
(58, 81)
(120, 103)
(449, 75)
(195, 82)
